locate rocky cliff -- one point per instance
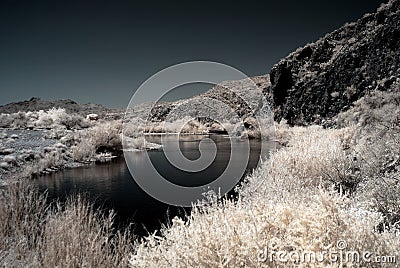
(318, 81)
(310, 86)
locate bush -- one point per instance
(377, 117)
(51, 119)
(42, 162)
(375, 108)
(105, 136)
(54, 118)
(84, 150)
(287, 204)
(67, 235)
(5, 120)
(312, 157)
(15, 120)
(238, 234)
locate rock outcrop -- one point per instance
(324, 78)
(310, 86)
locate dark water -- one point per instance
(110, 185)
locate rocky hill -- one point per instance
(318, 81)
(228, 103)
(70, 106)
(310, 86)
(242, 96)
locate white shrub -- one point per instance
(281, 207)
(5, 120)
(10, 159)
(84, 150)
(4, 165)
(58, 117)
(105, 134)
(312, 157)
(235, 234)
(377, 152)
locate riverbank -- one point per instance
(328, 198)
(326, 190)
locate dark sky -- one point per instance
(101, 51)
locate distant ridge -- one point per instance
(311, 85)
(36, 104)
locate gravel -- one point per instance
(20, 146)
(26, 140)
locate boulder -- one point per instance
(92, 117)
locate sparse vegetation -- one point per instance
(73, 138)
(35, 234)
(54, 118)
(305, 197)
(325, 190)
(322, 187)
(378, 152)
(103, 137)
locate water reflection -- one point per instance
(110, 184)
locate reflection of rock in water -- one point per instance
(110, 185)
(139, 143)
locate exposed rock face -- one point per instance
(222, 109)
(318, 81)
(311, 85)
(241, 96)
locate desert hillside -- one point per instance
(328, 197)
(70, 106)
(318, 81)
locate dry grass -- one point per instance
(102, 136)
(323, 187)
(312, 157)
(234, 234)
(51, 119)
(71, 235)
(378, 152)
(289, 203)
